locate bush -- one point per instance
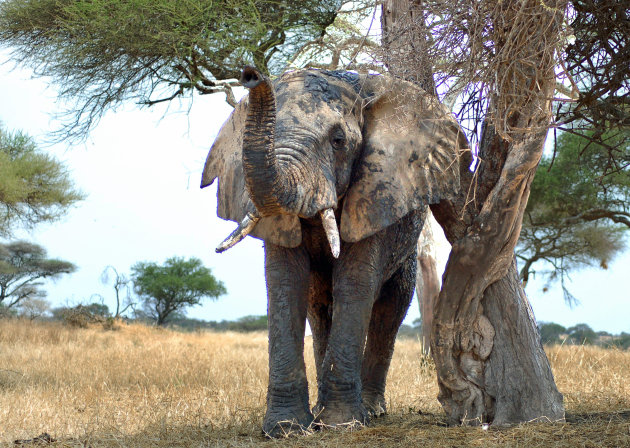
(408, 331)
(249, 323)
(550, 332)
(82, 316)
(582, 334)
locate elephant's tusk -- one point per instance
(332, 233)
(245, 226)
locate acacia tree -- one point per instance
(577, 210)
(577, 214)
(22, 264)
(596, 64)
(490, 364)
(34, 307)
(578, 207)
(34, 186)
(174, 286)
(103, 52)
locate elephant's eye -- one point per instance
(338, 139)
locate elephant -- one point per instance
(334, 171)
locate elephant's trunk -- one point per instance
(270, 189)
(265, 183)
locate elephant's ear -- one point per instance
(411, 148)
(226, 163)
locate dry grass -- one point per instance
(145, 387)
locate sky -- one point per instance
(141, 168)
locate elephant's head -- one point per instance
(314, 141)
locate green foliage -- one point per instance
(410, 331)
(34, 186)
(346, 44)
(249, 323)
(22, 264)
(578, 212)
(103, 52)
(550, 332)
(7, 312)
(582, 334)
(174, 286)
(622, 341)
(597, 59)
(242, 325)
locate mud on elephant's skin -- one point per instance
(296, 157)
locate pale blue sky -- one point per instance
(141, 171)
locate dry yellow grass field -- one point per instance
(146, 387)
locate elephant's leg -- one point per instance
(356, 279)
(287, 275)
(320, 320)
(388, 313)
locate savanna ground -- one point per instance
(145, 387)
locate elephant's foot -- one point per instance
(275, 426)
(341, 415)
(374, 402)
(287, 413)
(340, 405)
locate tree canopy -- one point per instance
(551, 332)
(597, 61)
(578, 212)
(22, 264)
(34, 186)
(103, 52)
(174, 286)
(34, 307)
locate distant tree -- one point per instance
(411, 331)
(58, 312)
(33, 307)
(22, 264)
(122, 290)
(7, 312)
(550, 332)
(103, 52)
(623, 341)
(174, 286)
(249, 323)
(142, 316)
(582, 334)
(578, 213)
(34, 186)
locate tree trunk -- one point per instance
(404, 43)
(490, 363)
(517, 373)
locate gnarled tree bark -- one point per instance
(490, 363)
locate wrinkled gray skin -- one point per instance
(375, 150)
